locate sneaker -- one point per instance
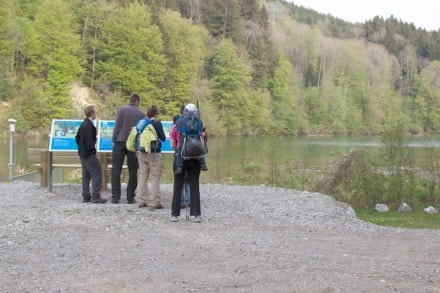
(204, 168)
(142, 205)
(198, 219)
(178, 171)
(115, 201)
(174, 219)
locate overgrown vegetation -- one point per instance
(256, 67)
(392, 176)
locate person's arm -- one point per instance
(118, 125)
(159, 130)
(77, 136)
(173, 138)
(90, 141)
(173, 144)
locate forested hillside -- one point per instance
(254, 67)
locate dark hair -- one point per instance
(134, 98)
(89, 110)
(175, 118)
(152, 111)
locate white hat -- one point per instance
(191, 108)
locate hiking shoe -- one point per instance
(115, 201)
(86, 198)
(178, 171)
(198, 219)
(157, 206)
(143, 205)
(204, 168)
(98, 200)
(174, 219)
(131, 201)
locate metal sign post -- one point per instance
(11, 132)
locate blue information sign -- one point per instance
(105, 134)
(62, 137)
(166, 145)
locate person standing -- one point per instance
(191, 169)
(150, 165)
(126, 117)
(91, 169)
(189, 124)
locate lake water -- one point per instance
(248, 160)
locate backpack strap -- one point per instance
(143, 126)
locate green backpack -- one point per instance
(142, 137)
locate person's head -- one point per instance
(152, 111)
(90, 112)
(134, 99)
(190, 108)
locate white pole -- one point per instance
(11, 131)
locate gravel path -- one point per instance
(252, 239)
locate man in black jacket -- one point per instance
(91, 169)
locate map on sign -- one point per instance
(62, 135)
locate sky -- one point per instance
(422, 13)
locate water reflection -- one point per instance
(234, 158)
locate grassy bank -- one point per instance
(415, 219)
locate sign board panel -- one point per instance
(105, 134)
(62, 135)
(166, 145)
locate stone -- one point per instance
(404, 208)
(431, 210)
(380, 207)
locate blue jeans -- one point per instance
(91, 171)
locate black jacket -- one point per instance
(86, 139)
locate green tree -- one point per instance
(230, 80)
(185, 52)
(57, 56)
(131, 54)
(30, 105)
(6, 48)
(427, 91)
(221, 18)
(281, 105)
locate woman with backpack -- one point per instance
(150, 165)
(191, 169)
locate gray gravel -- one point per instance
(252, 239)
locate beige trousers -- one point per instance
(150, 165)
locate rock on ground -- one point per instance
(252, 239)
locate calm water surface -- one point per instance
(230, 157)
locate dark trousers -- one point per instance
(192, 170)
(119, 153)
(91, 171)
